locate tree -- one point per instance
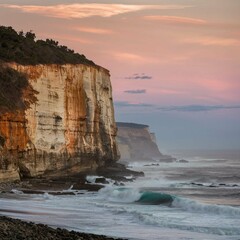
(30, 35)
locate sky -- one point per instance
(174, 64)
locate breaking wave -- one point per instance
(128, 195)
(155, 198)
(194, 206)
(176, 206)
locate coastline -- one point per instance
(11, 228)
(56, 183)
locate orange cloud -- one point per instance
(207, 41)
(70, 38)
(175, 19)
(93, 30)
(69, 11)
(131, 57)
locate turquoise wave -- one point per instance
(155, 198)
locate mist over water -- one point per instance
(199, 199)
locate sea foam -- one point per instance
(194, 206)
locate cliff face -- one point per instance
(70, 126)
(136, 143)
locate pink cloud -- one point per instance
(171, 92)
(93, 30)
(208, 41)
(133, 58)
(218, 90)
(216, 85)
(175, 19)
(70, 38)
(83, 10)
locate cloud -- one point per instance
(171, 92)
(71, 38)
(138, 91)
(134, 58)
(208, 41)
(140, 76)
(93, 30)
(175, 19)
(128, 104)
(183, 108)
(197, 108)
(83, 10)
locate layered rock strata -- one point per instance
(70, 126)
(136, 142)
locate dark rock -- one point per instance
(101, 180)
(183, 161)
(153, 164)
(212, 186)
(2, 141)
(56, 185)
(197, 184)
(88, 187)
(118, 172)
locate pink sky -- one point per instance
(160, 53)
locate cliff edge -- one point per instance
(61, 118)
(136, 142)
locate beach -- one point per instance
(16, 229)
(197, 199)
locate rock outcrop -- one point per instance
(136, 142)
(70, 125)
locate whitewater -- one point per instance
(199, 199)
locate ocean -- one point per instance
(198, 199)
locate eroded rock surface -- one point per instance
(136, 142)
(70, 126)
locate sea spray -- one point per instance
(91, 179)
(194, 206)
(132, 195)
(117, 210)
(15, 191)
(125, 195)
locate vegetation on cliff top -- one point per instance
(23, 48)
(15, 91)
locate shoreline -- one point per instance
(11, 228)
(56, 183)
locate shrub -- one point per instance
(24, 49)
(15, 91)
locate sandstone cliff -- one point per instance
(136, 143)
(70, 125)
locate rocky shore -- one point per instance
(14, 229)
(55, 183)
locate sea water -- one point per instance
(199, 199)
